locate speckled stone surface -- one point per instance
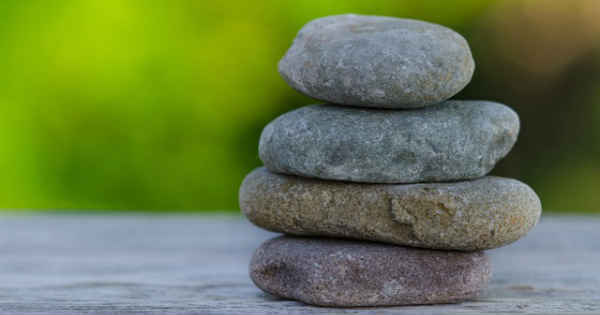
(454, 140)
(471, 215)
(376, 61)
(342, 273)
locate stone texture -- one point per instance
(341, 273)
(454, 140)
(472, 215)
(376, 61)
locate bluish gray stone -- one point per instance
(330, 272)
(374, 61)
(454, 140)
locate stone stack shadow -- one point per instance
(382, 192)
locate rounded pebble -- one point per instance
(340, 273)
(454, 140)
(374, 61)
(470, 215)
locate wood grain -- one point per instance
(194, 264)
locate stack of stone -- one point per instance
(383, 193)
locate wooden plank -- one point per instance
(197, 264)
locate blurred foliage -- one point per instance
(158, 105)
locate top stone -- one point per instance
(379, 62)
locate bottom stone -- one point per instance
(341, 273)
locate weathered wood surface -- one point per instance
(198, 265)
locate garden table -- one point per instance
(198, 264)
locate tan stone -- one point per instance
(469, 215)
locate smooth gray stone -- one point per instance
(479, 214)
(374, 61)
(330, 272)
(454, 140)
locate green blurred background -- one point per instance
(158, 105)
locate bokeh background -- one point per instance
(158, 105)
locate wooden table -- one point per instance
(195, 264)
